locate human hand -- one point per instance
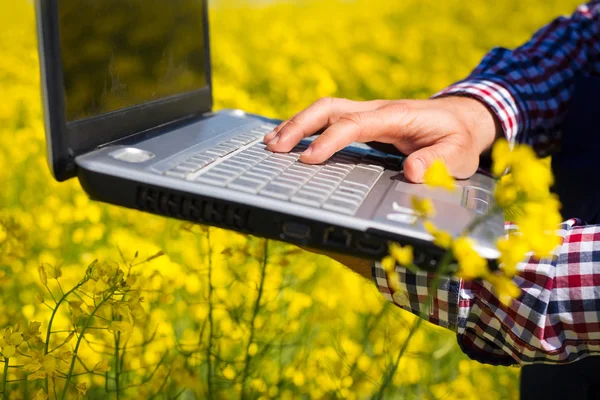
(454, 129)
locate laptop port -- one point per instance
(371, 246)
(337, 237)
(295, 230)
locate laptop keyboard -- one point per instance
(244, 164)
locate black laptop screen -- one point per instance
(121, 53)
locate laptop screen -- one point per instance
(121, 53)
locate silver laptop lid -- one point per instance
(113, 68)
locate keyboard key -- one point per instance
(237, 162)
(318, 188)
(188, 167)
(306, 168)
(271, 164)
(246, 158)
(301, 172)
(225, 172)
(311, 192)
(277, 191)
(345, 199)
(317, 185)
(255, 177)
(199, 158)
(374, 167)
(334, 172)
(298, 177)
(307, 199)
(336, 179)
(215, 151)
(343, 168)
(283, 181)
(258, 173)
(259, 168)
(233, 166)
(323, 181)
(278, 161)
(176, 173)
(362, 176)
(213, 179)
(352, 189)
(340, 206)
(284, 156)
(343, 194)
(246, 185)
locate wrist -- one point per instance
(479, 120)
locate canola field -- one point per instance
(97, 301)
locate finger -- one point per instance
(458, 159)
(269, 136)
(384, 125)
(319, 115)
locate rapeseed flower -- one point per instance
(471, 264)
(437, 175)
(423, 206)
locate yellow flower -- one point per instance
(512, 251)
(539, 224)
(228, 373)
(501, 157)
(531, 175)
(402, 254)
(437, 175)
(505, 288)
(423, 207)
(252, 349)
(8, 351)
(506, 193)
(471, 264)
(388, 263)
(440, 238)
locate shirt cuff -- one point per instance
(496, 97)
(412, 292)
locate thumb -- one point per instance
(461, 162)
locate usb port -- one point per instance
(337, 237)
(295, 230)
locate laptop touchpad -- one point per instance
(405, 186)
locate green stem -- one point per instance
(4, 392)
(117, 344)
(87, 323)
(210, 321)
(254, 315)
(54, 311)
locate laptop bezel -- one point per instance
(66, 140)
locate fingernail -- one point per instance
(274, 140)
(420, 164)
(307, 152)
(269, 136)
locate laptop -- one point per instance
(128, 102)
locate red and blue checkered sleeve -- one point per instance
(528, 88)
(556, 319)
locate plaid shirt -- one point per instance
(557, 317)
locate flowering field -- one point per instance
(100, 301)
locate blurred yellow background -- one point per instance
(215, 316)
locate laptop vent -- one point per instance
(192, 208)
